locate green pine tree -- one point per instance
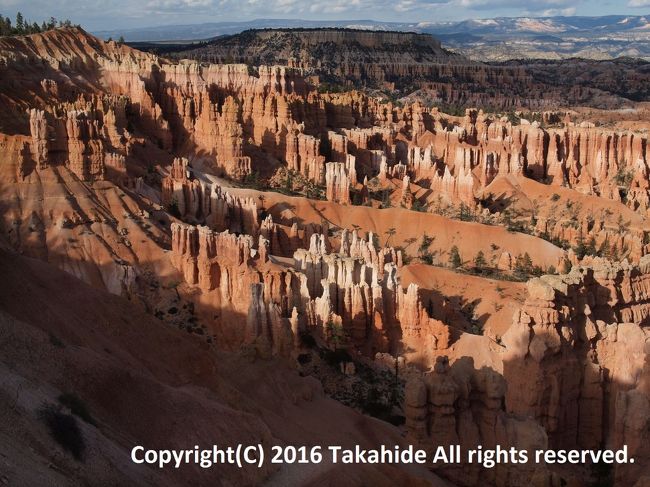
(479, 260)
(20, 23)
(454, 257)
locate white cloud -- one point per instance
(369, 7)
(176, 4)
(552, 12)
(102, 14)
(638, 3)
(537, 6)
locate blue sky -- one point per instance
(112, 14)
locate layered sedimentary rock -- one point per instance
(210, 109)
(575, 363)
(404, 60)
(356, 288)
(303, 156)
(86, 136)
(194, 249)
(585, 352)
(235, 276)
(214, 109)
(201, 201)
(457, 160)
(337, 182)
(459, 405)
(102, 178)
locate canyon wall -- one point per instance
(116, 164)
(404, 61)
(574, 361)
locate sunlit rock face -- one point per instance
(391, 230)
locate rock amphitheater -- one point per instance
(222, 249)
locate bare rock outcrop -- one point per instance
(459, 405)
(576, 349)
(337, 182)
(199, 201)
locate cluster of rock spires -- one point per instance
(458, 156)
(123, 176)
(81, 135)
(574, 364)
(403, 60)
(570, 330)
(355, 288)
(216, 108)
(199, 201)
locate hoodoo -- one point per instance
(363, 254)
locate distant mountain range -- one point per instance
(494, 39)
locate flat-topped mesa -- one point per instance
(216, 108)
(391, 60)
(337, 182)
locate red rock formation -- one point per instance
(39, 133)
(571, 353)
(419, 331)
(357, 288)
(195, 250)
(86, 164)
(78, 135)
(198, 201)
(303, 156)
(389, 60)
(337, 182)
(460, 405)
